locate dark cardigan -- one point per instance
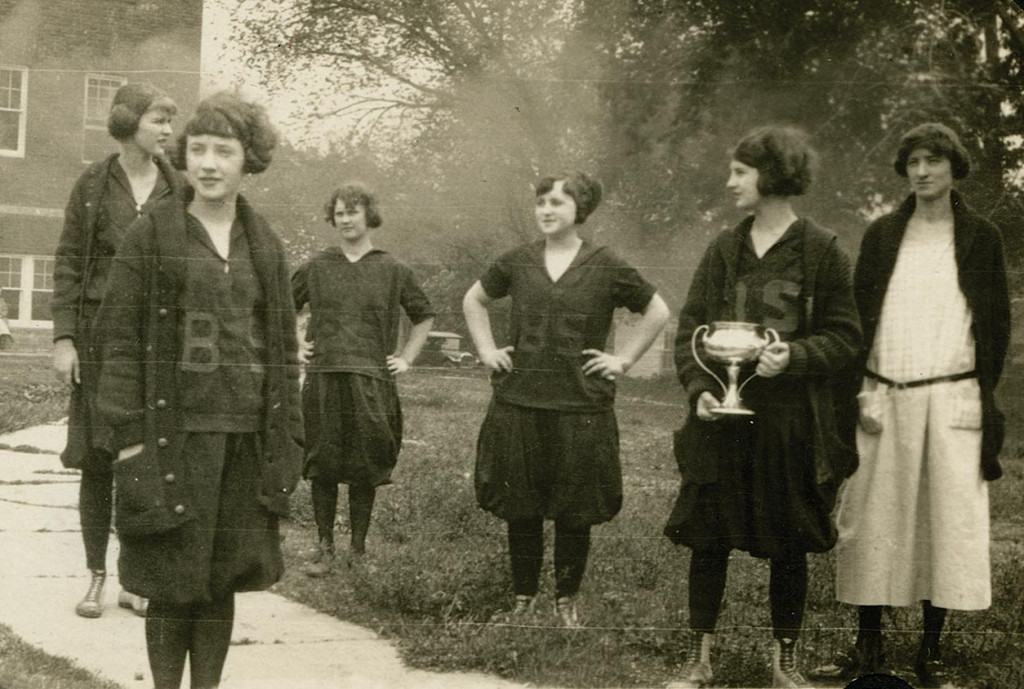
(74, 252)
(981, 273)
(137, 401)
(833, 342)
(72, 273)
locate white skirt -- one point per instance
(913, 519)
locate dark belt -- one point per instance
(921, 383)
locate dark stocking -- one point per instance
(211, 638)
(787, 592)
(526, 551)
(200, 632)
(572, 545)
(869, 624)
(360, 508)
(168, 635)
(934, 619)
(95, 506)
(708, 569)
(325, 506)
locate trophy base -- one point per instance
(732, 411)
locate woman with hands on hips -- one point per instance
(356, 295)
(549, 445)
(764, 483)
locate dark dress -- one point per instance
(549, 445)
(764, 483)
(352, 413)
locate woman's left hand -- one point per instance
(604, 364)
(774, 360)
(397, 364)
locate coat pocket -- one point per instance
(141, 507)
(966, 407)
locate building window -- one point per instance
(10, 285)
(42, 288)
(99, 94)
(13, 100)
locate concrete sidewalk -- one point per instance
(276, 642)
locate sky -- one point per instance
(223, 67)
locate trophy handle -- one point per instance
(696, 357)
(773, 337)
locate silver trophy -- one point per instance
(733, 344)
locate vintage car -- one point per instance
(444, 349)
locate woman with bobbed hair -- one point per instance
(356, 295)
(764, 483)
(106, 199)
(549, 445)
(198, 396)
(913, 521)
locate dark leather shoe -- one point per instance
(861, 659)
(931, 671)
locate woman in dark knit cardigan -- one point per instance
(106, 199)
(198, 397)
(766, 483)
(913, 520)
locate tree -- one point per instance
(468, 100)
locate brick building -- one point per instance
(60, 63)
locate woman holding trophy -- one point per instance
(760, 474)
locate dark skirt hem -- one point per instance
(541, 463)
(353, 426)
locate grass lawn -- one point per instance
(437, 582)
(24, 667)
(29, 391)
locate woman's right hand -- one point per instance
(305, 351)
(65, 362)
(130, 451)
(705, 403)
(498, 359)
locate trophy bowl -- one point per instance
(732, 343)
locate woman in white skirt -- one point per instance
(913, 519)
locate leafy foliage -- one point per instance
(469, 100)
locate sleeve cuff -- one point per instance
(701, 385)
(113, 440)
(797, 359)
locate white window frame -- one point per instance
(37, 261)
(23, 109)
(88, 126)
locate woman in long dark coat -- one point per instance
(198, 397)
(106, 199)
(766, 483)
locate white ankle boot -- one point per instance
(784, 666)
(696, 671)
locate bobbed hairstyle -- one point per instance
(783, 157)
(353, 194)
(130, 103)
(226, 115)
(584, 190)
(939, 140)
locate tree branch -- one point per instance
(1010, 24)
